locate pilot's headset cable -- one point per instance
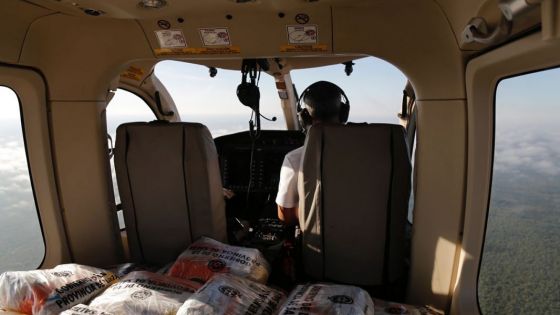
(249, 95)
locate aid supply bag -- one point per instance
(227, 294)
(328, 299)
(82, 309)
(51, 291)
(389, 308)
(207, 257)
(144, 292)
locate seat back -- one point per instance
(354, 188)
(170, 187)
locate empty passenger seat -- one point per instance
(170, 187)
(355, 187)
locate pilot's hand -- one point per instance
(288, 215)
(228, 194)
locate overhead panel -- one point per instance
(242, 33)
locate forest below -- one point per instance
(520, 269)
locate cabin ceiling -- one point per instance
(59, 37)
(458, 13)
(132, 9)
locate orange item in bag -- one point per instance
(206, 257)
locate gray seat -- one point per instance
(355, 187)
(170, 187)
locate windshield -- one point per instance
(374, 89)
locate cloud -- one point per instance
(15, 185)
(527, 149)
(12, 157)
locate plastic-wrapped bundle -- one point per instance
(207, 257)
(328, 299)
(82, 309)
(144, 292)
(388, 308)
(51, 291)
(226, 294)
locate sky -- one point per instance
(531, 96)
(527, 131)
(374, 89)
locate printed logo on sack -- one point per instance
(396, 309)
(216, 265)
(141, 295)
(62, 274)
(229, 291)
(341, 299)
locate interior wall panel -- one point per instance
(439, 200)
(81, 164)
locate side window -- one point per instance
(213, 101)
(21, 241)
(519, 270)
(125, 107)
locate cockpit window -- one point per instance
(213, 101)
(21, 241)
(374, 88)
(519, 270)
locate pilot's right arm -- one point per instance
(287, 198)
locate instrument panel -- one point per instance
(257, 171)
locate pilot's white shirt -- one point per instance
(287, 189)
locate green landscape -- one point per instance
(520, 270)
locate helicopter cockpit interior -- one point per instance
(406, 208)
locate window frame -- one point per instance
(29, 87)
(526, 55)
(29, 172)
(493, 155)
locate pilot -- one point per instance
(323, 104)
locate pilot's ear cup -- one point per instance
(344, 112)
(304, 118)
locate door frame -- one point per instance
(529, 54)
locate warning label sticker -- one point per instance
(215, 36)
(133, 73)
(303, 48)
(171, 38)
(302, 34)
(198, 51)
